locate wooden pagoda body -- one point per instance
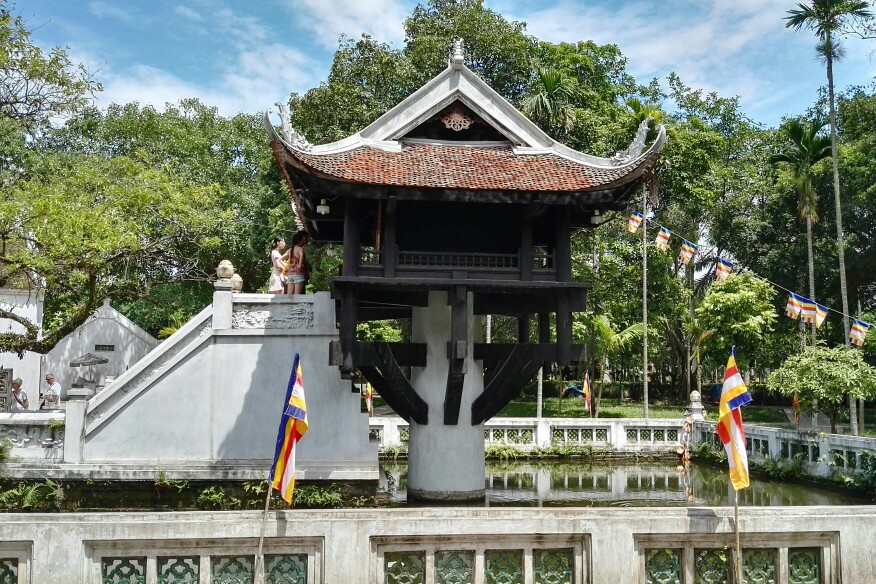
(450, 206)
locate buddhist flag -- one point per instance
(687, 252)
(807, 310)
(722, 269)
(634, 222)
(369, 397)
(858, 332)
(796, 405)
(663, 239)
(293, 425)
(820, 314)
(793, 307)
(585, 389)
(734, 395)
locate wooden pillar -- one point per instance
(544, 327)
(389, 255)
(564, 329)
(523, 328)
(526, 250)
(351, 237)
(349, 317)
(562, 245)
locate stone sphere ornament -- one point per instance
(225, 270)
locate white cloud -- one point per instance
(268, 73)
(104, 10)
(245, 29)
(382, 19)
(187, 12)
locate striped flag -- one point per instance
(634, 222)
(585, 389)
(293, 425)
(722, 269)
(663, 239)
(793, 307)
(807, 310)
(820, 314)
(369, 397)
(858, 332)
(734, 395)
(687, 252)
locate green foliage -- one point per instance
(740, 311)
(312, 496)
(823, 378)
(162, 482)
(55, 425)
(504, 452)
(32, 496)
(782, 469)
(36, 85)
(394, 452)
(214, 497)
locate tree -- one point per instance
(550, 102)
(35, 85)
(86, 227)
(822, 378)
(740, 311)
(610, 342)
(827, 19)
(806, 148)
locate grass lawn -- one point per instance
(574, 408)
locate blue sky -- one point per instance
(244, 56)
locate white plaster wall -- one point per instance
(106, 327)
(220, 400)
(66, 547)
(29, 304)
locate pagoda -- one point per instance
(450, 206)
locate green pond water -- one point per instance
(624, 484)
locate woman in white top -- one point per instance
(19, 398)
(277, 282)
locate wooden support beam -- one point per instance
(562, 246)
(526, 249)
(365, 353)
(497, 352)
(518, 369)
(459, 349)
(523, 329)
(564, 330)
(395, 389)
(351, 237)
(544, 327)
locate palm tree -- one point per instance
(610, 343)
(550, 100)
(805, 149)
(827, 18)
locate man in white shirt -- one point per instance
(55, 388)
(20, 402)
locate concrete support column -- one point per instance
(445, 462)
(74, 423)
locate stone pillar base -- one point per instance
(446, 496)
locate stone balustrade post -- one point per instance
(74, 423)
(542, 433)
(223, 305)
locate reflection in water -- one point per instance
(623, 485)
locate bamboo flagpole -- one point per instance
(259, 570)
(734, 395)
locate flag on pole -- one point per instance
(369, 397)
(793, 307)
(635, 221)
(820, 314)
(585, 389)
(858, 332)
(796, 405)
(722, 269)
(734, 395)
(687, 252)
(663, 239)
(807, 310)
(293, 425)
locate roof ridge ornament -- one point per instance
(636, 147)
(458, 54)
(288, 133)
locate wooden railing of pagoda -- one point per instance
(436, 264)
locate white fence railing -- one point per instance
(820, 453)
(624, 435)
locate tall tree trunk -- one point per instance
(811, 268)
(853, 415)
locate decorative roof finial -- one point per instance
(458, 55)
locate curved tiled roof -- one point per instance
(463, 167)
